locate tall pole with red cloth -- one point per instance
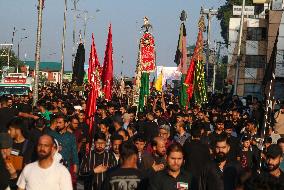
(94, 81)
(107, 73)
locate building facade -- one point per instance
(259, 34)
(48, 71)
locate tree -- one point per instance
(14, 61)
(42, 78)
(225, 12)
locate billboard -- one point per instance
(237, 10)
(170, 74)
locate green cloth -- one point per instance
(282, 165)
(200, 94)
(144, 91)
(183, 92)
(46, 115)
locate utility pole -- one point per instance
(63, 46)
(239, 58)
(209, 13)
(86, 17)
(13, 36)
(37, 54)
(17, 69)
(74, 30)
(214, 68)
(216, 63)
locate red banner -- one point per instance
(147, 53)
(9, 80)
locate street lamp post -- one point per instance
(86, 17)
(19, 52)
(14, 33)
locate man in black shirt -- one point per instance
(24, 105)
(116, 141)
(8, 174)
(7, 113)
(196, 154)
(127, 176)
(96, 163)
(220, 174)
(233, 141)
(272, 173)
(173, 177)
(21, 146)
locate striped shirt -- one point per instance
(92, 160)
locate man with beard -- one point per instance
(233, 141)
(156, 161)
(96, 163)
(173, 177)
(116, 141)
(181, 135)
(221, 173)
(279, 121)
(218, 129)
(236, 121)
(272, 173)
(67, 143)
(45, 174)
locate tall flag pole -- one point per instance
(107, 72)
(181, 59)
(195, 78)
(200, 94)
(146, 63)
(94, 81)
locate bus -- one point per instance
(16, 84)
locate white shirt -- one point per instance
(56, 177)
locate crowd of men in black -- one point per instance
(214, 147)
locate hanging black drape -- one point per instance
(78, 67)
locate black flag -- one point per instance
(78, 67)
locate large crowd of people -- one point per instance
(222, 145)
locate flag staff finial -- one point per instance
(146, 26)
(201, 23)
(183, 16)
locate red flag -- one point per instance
(188, 81)
(94, 81)
(107, 72)
(197, 55)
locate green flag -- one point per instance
(144, 90)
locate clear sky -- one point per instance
(126, 17)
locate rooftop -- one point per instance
(44, 66)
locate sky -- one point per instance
(126, 17)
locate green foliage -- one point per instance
(14, 61)
(225, 12)
(42, 78)
(221, 73)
